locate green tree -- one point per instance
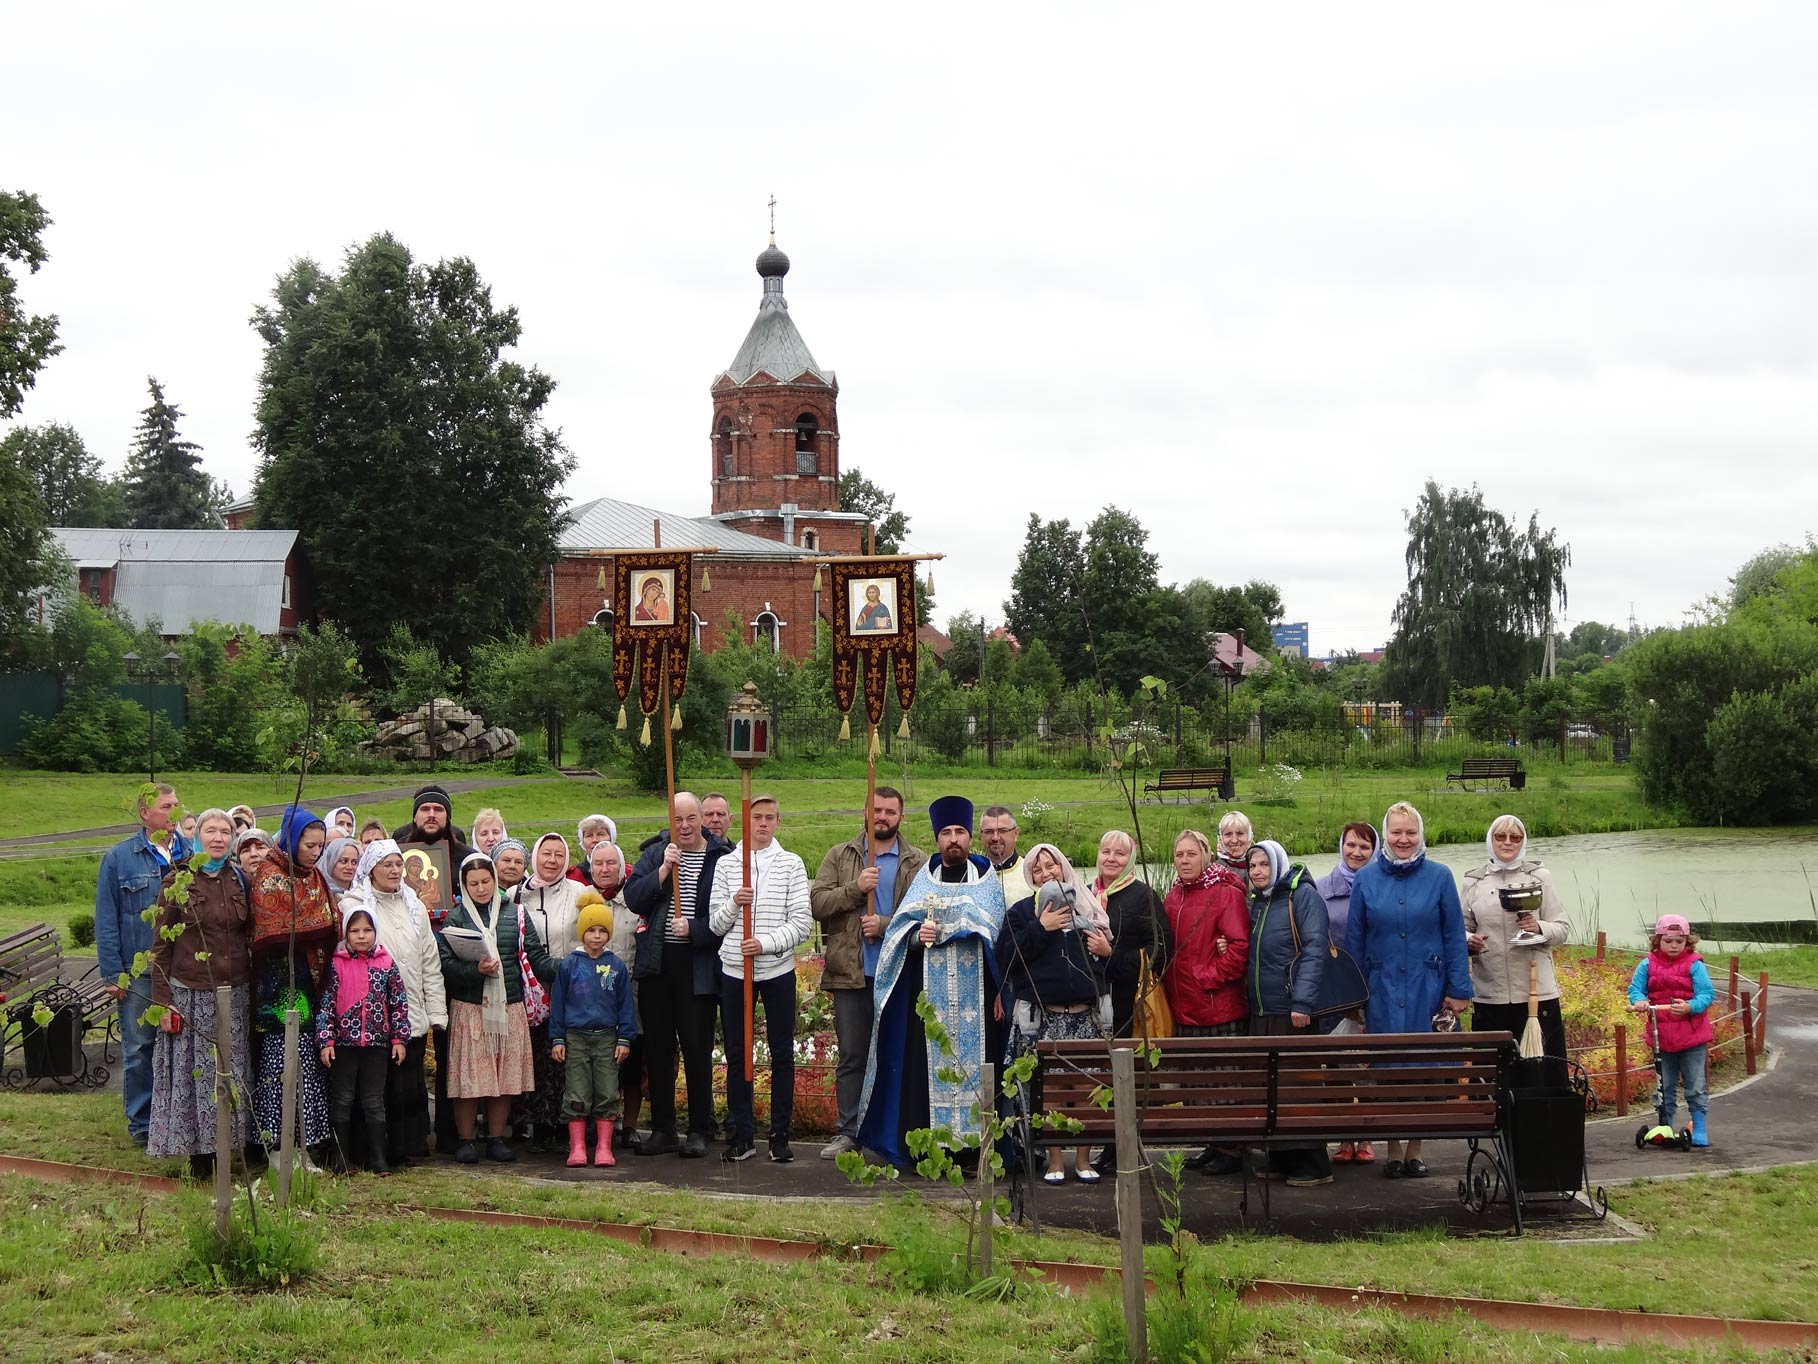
(165, 486)
(1479, 595)
(26, 342)
(25, 549)
(1119, 569)
(228, 695)
(1227, 611)
(1759, 576)
(1266, 597)
(1044, 594)
(416, 671)
(1036, 672)
(1487, 714)
(966, 657)
(890, 527)
(1594, 637)
(69, 480)
(387, 387)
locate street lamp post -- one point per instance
(748, 736)
(1233, 674)
(150, 671)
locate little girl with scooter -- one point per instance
(1672, 986)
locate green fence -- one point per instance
(26, 698)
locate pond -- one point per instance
(1621, 882)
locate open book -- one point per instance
(467, 944)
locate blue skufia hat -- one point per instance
(950, 810)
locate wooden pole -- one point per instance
(745, 850)
(1735, 981)
(675, 881)
(1602, 942)
(1761, 1003)
(987, 1189)
(224, 1110)
(865, 815)
(1748, 1031)
(287, 1140)
(1129, 1199)
(1622, 1070)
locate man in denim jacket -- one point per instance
(132, 873)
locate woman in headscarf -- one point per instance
(339, 822)
(548, 901)
(210, 951)
(1204, 975)
(403, 930)
(1356, 846)
(1055, 950)
(488, 1035)
(250, 848)
(1407, 933)
(242, 816)
(340, 863)
(606, 876)
(511, 864)
(1502, 943)
(591, 831)
(1287, 958)
(294, 931)
(1139, 935)
(488, 830)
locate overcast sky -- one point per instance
(1250, 272)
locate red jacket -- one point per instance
(1205, 986)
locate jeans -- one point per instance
(136, 1041)
(777, 996)
(591, 1081)
(357, 1078)
(1685, 1067)
(854, 1016)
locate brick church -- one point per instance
(774, 465)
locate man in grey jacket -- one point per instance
(858, 887)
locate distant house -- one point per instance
(1228, 649)
(179, 577)
(237, 513)
(935, 641)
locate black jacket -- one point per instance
(1139, 928)
(649, 897)
(1045, 967)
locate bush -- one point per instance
(82, 930)
(98, 732)
(263, 1250)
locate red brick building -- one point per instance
(774, 473)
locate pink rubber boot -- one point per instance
(602, 1153)
(577, 1142)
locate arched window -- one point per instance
(767, 629)
(810, 540)
(696, 623)
(725, 443)
(603, 618)
(806, 425)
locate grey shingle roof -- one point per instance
(606, 523)
(773, 345)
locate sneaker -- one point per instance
(467, 1153)
(498, 1150)
(1306, 1180)
(738, 1150)
(838, 1147)
(781, 1151)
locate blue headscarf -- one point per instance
(291, 828)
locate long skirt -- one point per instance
(312, 1095)
(544, 1102)
(183, 1074)
(482, 1067)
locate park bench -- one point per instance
(1181, 780)
(31, 977)
(1486, 771)
(1267, 1091)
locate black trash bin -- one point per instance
(53, 1050)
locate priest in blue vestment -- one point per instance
(939, 940)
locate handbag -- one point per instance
(1342, 987)
(536, 998)
(1154, 1018)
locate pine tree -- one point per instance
(165, 486)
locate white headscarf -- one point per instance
(492, 988)
(1489, 841)
(612, 830)
(1084, 901)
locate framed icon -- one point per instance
(654, 602)
(871, 606)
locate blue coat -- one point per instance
(1407, 932)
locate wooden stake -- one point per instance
(675, 880)
(750, 1005)
(987, 1189)
(865, 816)
(1761, 1003)
(1735, 976)
(1622, 1070)
(1129, 1198)
(224, 1110)
(287, 1142)
(1748, 1031)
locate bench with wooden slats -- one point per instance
(31, 972)
(1267, 1091)
(1486, 771)
(1182, 780)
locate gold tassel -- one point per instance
(876, 748)
(930, 581)
(817, 577)
(902, 730)
(601, 581)
(644, 738)
(621, 724)
(675, 721)
(845, 728)
(706, 579)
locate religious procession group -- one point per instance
(557, 993)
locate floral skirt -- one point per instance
(482, 1067)
(312, 1095)
(183, 1074)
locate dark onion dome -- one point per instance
(772, 263)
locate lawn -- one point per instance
(395, 1285)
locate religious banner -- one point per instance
(874, 622)
(652, 628)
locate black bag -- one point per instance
(1342, 987)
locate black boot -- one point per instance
(375, 1147)
(343, 1143)
(202, 1167)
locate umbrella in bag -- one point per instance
(1532, 1044)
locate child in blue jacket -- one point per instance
(592, 1023)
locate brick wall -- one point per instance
(763, 471)
(741, 586)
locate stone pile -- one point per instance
(455, 733)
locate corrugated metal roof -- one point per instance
(179, 593)
(607, 523)
(88, 545)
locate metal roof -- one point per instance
(606, 523)
(178, 594)
(92, 546)
(773, 345)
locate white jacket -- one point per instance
(1499, 973)
(780, 916)
(403, 928)
(552, 912)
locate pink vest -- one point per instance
(1670, 978)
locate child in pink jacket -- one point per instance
(363, 1021)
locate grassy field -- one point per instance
(105, 1264)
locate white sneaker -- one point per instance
(838, 1147)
